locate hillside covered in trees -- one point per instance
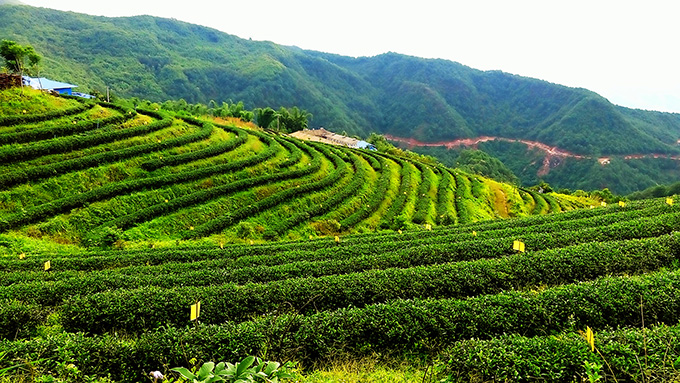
(429, 100)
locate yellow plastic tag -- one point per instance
(337, 239)
(669, 201)
(195, 311)
(22, 256)
(518, 246)
(48, 265)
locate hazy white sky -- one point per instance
(627, 51)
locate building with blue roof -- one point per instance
(42, 83)
(365, 145)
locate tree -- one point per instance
(264, 117)
(18, 58)
(283, 120)
(298, 119)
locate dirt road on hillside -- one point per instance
(551, 160)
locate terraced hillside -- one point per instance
(459, 293)
(76, 174)
(98, 174)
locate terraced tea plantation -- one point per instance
(98, 174)
(98, 192)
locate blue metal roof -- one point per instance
(365, 145)
(42, 83)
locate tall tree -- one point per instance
(18, 58)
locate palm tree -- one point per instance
(264, 117)
(299, 119)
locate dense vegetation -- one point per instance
(431, 100)
(657, 191)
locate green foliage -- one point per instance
(460, 292)
(656, 192)
(593, 371)
(265, 117)
(283, 120)
(16, 119)
(478, 162)
(248, 370)
(18, 58)
(429, 99)
(236, 110)
(107, 236)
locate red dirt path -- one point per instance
(552, 152)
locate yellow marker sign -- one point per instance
(590, 338)
(669, 201)
(603, 203)
(195, 311)
(474, 233)
(22, 256)
(519, 246)
(337, 239)
(399, 231)
(48, 265)
(622, 204)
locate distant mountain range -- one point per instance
(424, 99)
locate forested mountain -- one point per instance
(429, 100)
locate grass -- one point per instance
(15, 100)
(367, 370)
